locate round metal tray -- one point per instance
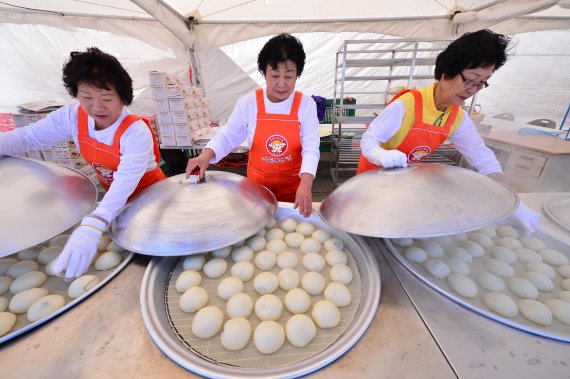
(558, 209)
(557, 330)
(154, 310)
(58, 286)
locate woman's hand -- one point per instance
(304, 197)
(202, 161)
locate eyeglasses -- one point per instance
(470, 84)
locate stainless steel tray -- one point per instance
(56, 285)
(558, 209)
(557, 330)
(155, 315)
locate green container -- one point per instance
(325, 145)
(345, 112)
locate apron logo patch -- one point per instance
(276, 145)
(104, 173)
(419, 153)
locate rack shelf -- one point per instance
(373, 69)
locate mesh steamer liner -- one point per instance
(170, 327)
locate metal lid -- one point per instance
(178, 217)
(558, 209)
(425, 200)
(39, 200)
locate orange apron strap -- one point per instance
(296, 104)
(418, 105)
(260, 101)
(398, 95)
(127, 121)
(83, 130)
(452, 117)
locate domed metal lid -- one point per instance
(177, 216)
(425, 200)
(39, 200)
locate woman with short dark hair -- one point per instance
(118, 145)
(416, 122)
(280, 125)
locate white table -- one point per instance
(531, 162)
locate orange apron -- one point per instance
(422, 139)
(105, 159)
(275, 153)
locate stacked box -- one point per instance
(23, 119)
(65, 153)
(182, 111)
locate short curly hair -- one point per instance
(280, 48)
(482, 48)
(99, 69)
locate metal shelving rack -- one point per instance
(373, 69)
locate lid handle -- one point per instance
(194, 177)
(388, 169)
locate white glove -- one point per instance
(524, 219)
(80, 248)
(388, 158)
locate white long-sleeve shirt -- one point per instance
(466, 139)
(136, 147)
(242, 123)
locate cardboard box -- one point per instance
(184, 140)
(176, 104)
(23, 119)
(171, 91)
(166, 129)
(162, 78)
(182, 129)
(168, 140)
(181, 117)
(164, 117)
(160, 104)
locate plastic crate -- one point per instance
(345, 112)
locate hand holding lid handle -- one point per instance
(194, 177)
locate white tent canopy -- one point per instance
(226, 35)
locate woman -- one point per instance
(281, 127)
(118, 145)
(418, 121)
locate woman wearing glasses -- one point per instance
(418, 121)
